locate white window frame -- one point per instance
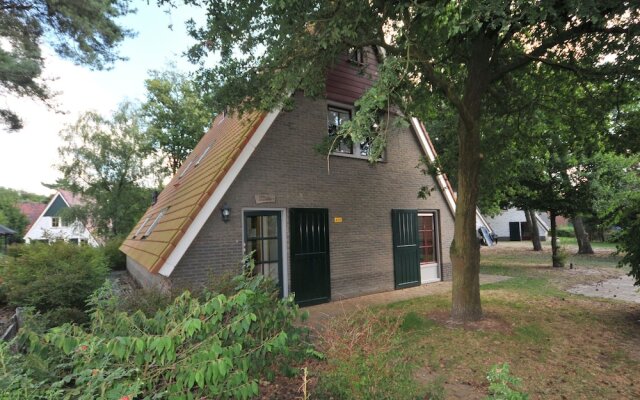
(436, 237)
(59, 222)
(204, 153)
(285, 244)
(356, 149)
(184, 171)
(140, 228)
(154, 224)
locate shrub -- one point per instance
(146, 300)
(55, 279)
(116, 260)
(565, 231)
(503, 385)
(218, 347)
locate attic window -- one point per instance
(204, 153)
(356, 56)
(140, 228)
(337, 116)
(155, 223)
(184, 171)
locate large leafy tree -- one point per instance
(86, 32)
(10, 215)
(176, 114)
(454, 51)
(110, 161)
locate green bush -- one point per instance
(565, 231)
(55, 279)
(115, 258)
(503, 385)
(218, 347)
(146, 300)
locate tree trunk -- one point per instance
(584, 245)
(535, 232)
(556, 258)
(465, 248)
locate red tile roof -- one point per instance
(193, 184)
(32, 211)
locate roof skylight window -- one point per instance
(184, 171)
(140, 228)
(155, 223)
(204, 153)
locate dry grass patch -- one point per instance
(563, 346)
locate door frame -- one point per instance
(284, 242)
(437, 246)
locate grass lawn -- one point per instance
(572, 242)
(562, 346)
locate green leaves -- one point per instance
(111, 161)
(87, 32)
(177, 115)
(213, 347)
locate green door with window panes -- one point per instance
(406, 256)
(263, 237)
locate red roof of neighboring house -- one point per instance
(32, 211)
(70, 198)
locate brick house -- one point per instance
(256, 183)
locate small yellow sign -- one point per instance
(337, 220)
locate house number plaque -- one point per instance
(265, 198)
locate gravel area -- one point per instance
(621, 288)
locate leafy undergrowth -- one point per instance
(212, 346)
(559, 345)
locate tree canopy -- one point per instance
(86, 32)
(111, 162)
(177, 115)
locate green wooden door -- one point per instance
(406, 258)
(309, 242)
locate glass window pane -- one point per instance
(269, 226)
(269, 250)
(270, 270)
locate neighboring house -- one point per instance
(32, 211)
(50, 226)
(256, 184)
(511, 224)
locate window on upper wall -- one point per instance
(336, 117)
(356, 56)
(56, 222)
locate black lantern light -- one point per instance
(225, 211)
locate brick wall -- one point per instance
(286, 165)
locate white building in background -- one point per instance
(50, 226)
(511, 224)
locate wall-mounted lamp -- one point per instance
(225, 211)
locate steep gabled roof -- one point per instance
(188, 197)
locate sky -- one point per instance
(29, 155)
